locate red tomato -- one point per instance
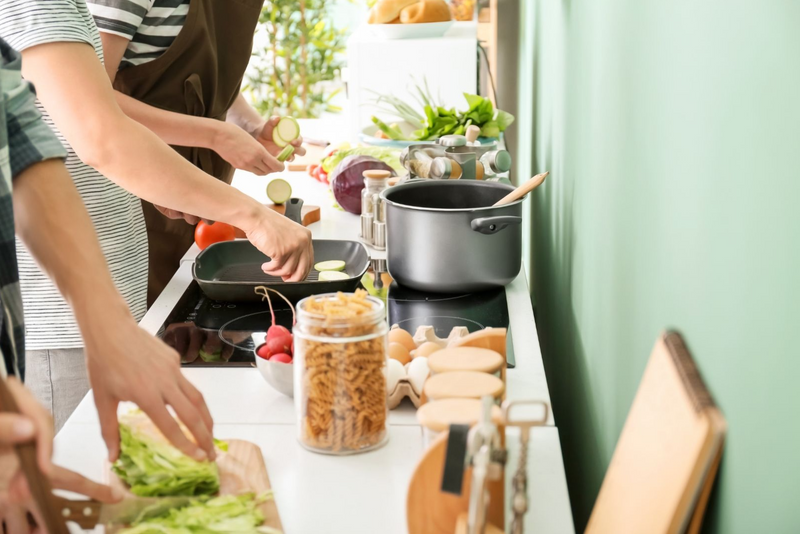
(323, 176)
(317, 171)
(207, 234)
(281, 358)
(311, 169)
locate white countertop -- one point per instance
(363, 493)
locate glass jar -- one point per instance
(374, 182)
(340, 358)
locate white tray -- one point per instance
(411, 31)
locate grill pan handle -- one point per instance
(492, 225)
(294, 210)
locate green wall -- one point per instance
(672, 132)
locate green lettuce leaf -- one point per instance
(154, 468)
(229, 514)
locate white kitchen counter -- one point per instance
(363, 493)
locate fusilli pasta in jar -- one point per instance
(339, 371)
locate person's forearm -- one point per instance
(245, 117)
(120, 148)
(52, 221)
(173, 128)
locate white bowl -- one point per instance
(277, 374)
(411, 31)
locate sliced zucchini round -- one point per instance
(330, 265)
(331, 276)
(279, 190)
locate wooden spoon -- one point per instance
(523, 190)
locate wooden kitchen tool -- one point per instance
(431, 511)
(488, 338)
(668, 453)
(463, 385)
(465, 359)
(523, 189)
(39, 485)
(241, 470)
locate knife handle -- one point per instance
(37, 483)
(85, 513)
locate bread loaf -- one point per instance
(385, 11)
(425, 11)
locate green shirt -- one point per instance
(24, 140)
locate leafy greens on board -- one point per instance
(229, 514)
(154, 468)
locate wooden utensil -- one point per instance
(523, 189)
(488, 338)
(431, 511)
(40, 488)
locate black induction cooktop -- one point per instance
(209, 333)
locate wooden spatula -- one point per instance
(523, 190)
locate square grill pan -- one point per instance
(230, 271)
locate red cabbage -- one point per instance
(347, 180)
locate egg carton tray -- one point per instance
(416, 372)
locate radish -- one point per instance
(279, 338)
(281, 358)
(276, 330)
(263, 352)
(279, 344)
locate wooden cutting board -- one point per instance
(241, 470)
(309, 215)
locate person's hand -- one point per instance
(128, 364)
(241, 150)
(34, 424)
(264, 136)
(287, 244)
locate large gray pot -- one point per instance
(444, 236)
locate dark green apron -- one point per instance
(200, 74)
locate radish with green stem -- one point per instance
(279, 339)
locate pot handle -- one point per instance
(492, 225)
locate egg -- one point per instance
(398, 335)
(418, 373)
(399, 352)
(426, 349)
(394, 372)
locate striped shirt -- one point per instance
(150, 25)
(24, 141)
(116, 214)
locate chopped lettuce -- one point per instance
(154, 468)
(389, 156)
(231, 514)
